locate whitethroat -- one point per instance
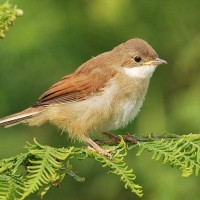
(103, 94)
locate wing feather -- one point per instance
(75, 87)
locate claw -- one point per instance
(101, 151)
(95, 147)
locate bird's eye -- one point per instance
(137, 59)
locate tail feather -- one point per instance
(20, 117)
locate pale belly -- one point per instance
(125, 112)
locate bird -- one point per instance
(103, 94)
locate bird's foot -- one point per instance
(105, 152)
(95, 147)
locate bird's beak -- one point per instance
(156, 61)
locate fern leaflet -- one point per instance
(182, 152)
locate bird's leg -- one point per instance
(96, 147)
(130, 138)
(112, 137)
(127, 138)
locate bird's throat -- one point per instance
(141, 71)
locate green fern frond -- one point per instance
(43, 166)
(182, 152)
(117, 166)
(10, 187)
(46, 166)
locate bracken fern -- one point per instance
(182, 152)
(117, 166)
(42, 167)
(11, 187)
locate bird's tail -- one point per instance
(20, 117)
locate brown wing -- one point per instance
(74, 87)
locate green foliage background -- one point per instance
(54, 37)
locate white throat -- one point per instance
(141, 72)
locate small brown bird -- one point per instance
(103, 94)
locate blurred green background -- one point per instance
(54, 37)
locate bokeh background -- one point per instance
(54, 37)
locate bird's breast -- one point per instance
(125, 111)
(127, 102)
